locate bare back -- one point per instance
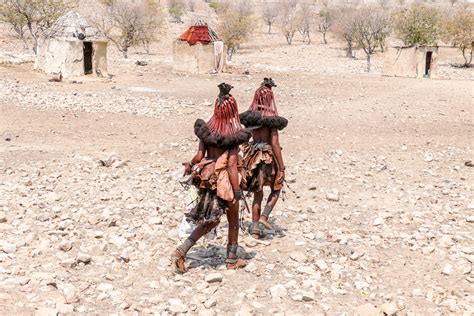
(214, 152)
(262, 134)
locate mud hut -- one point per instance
(72, 47)
(199, 50)
(411, 61)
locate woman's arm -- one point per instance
(197, 158)
(275, 140)
(232, 169)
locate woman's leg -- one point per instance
(179, 254)
(272, 200)
(256, 209)
(232, 261)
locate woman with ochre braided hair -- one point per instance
(216, 172)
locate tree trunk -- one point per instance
(289, 39)
(324, 38)
(33, 36)
(309, 39)
(230, 53)
(467, 61)
(125, 52)
(269, 27)
(368, 62)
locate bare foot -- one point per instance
(239, 264)
(179, 261)
(264, 222)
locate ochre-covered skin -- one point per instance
(263, 161)
(215, 172)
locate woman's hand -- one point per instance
(280, 176)
(188, 168)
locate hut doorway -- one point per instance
(428, 64)
(87, 58)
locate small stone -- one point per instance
(278, 291)
(297, 298)
(306, 270)
(84, 258)
(446, 241)
(322, 265)
(46, 311)
(332, 195)
(378, 221)
(469, 219)
(213, 277)
(65, 245)
(210, 303)
(448, 269)
(367, 310)
(251, 267)
(360, 285)
(70, 294)
(298, 256)
(308, 296)
(389, 309)
(3, 217)
(155, 221)
(69, 263)
(257, 305)
(176, 306)
(7, 247)
(105, 287)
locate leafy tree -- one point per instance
(418, 25)
(177, 8)
(236, 23)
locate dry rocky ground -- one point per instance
(383, 220)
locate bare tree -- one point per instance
(372, 26)
(192, 5)
(288, 20)
(325, 22)
(345, 28)
(269, 14)
(36, 16)
(128, 24)
(384, 4)
(236, 23)
(16, 21)
(306, 20)
(460, 32)
(177, 8)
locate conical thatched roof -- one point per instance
(72, 25)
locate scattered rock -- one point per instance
(213, 277)
(332, 195)
(176, 306)
(448, 269)
(83, 258)
(278, 291)
(367, 310)
(389, 309)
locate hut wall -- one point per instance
(99, 59)
(409, 61)
(61, 56)
(197, 58)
